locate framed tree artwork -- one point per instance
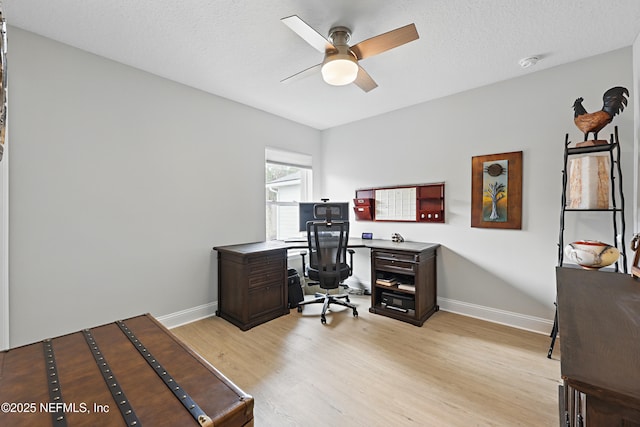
(496, 191)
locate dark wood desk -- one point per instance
(252, 279)
(369, 243)
(599, 326)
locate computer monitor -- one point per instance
(306, 213)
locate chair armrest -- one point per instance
(304, 267)
(351, 252)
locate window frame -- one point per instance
(302, 162)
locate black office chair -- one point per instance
(327, 242)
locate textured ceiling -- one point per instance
(239, 49)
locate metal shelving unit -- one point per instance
(617, 212)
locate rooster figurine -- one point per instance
(614, 102)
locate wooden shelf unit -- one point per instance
(411, 267)
(429, 203)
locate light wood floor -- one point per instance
(376, 371)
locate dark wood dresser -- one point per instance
(252, 283)
(599, 325)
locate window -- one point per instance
(287, 182)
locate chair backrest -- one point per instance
(327, 212)
(327, 243)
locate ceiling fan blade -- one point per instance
(364, 80)
(302, 74)
(308, 34)
(386, 41)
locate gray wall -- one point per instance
(121, 182)
(636, 132)
(488, 269)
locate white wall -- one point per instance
(500, 270)
(636, 134)
(4, 248)
(121, 182)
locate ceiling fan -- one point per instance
(340, 65)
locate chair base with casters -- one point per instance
(328, 299)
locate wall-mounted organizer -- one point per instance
(364, 208)
(407, 203)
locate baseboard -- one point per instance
(503, 317)
(189, 315)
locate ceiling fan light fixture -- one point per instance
(340, 69)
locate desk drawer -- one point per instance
(395, 262)
(266, 278)
(266, 299)
(395, 256)
(259, 264)
(265, 270)
(395, 266)
(263, 273)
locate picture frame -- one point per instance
(496, 191)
